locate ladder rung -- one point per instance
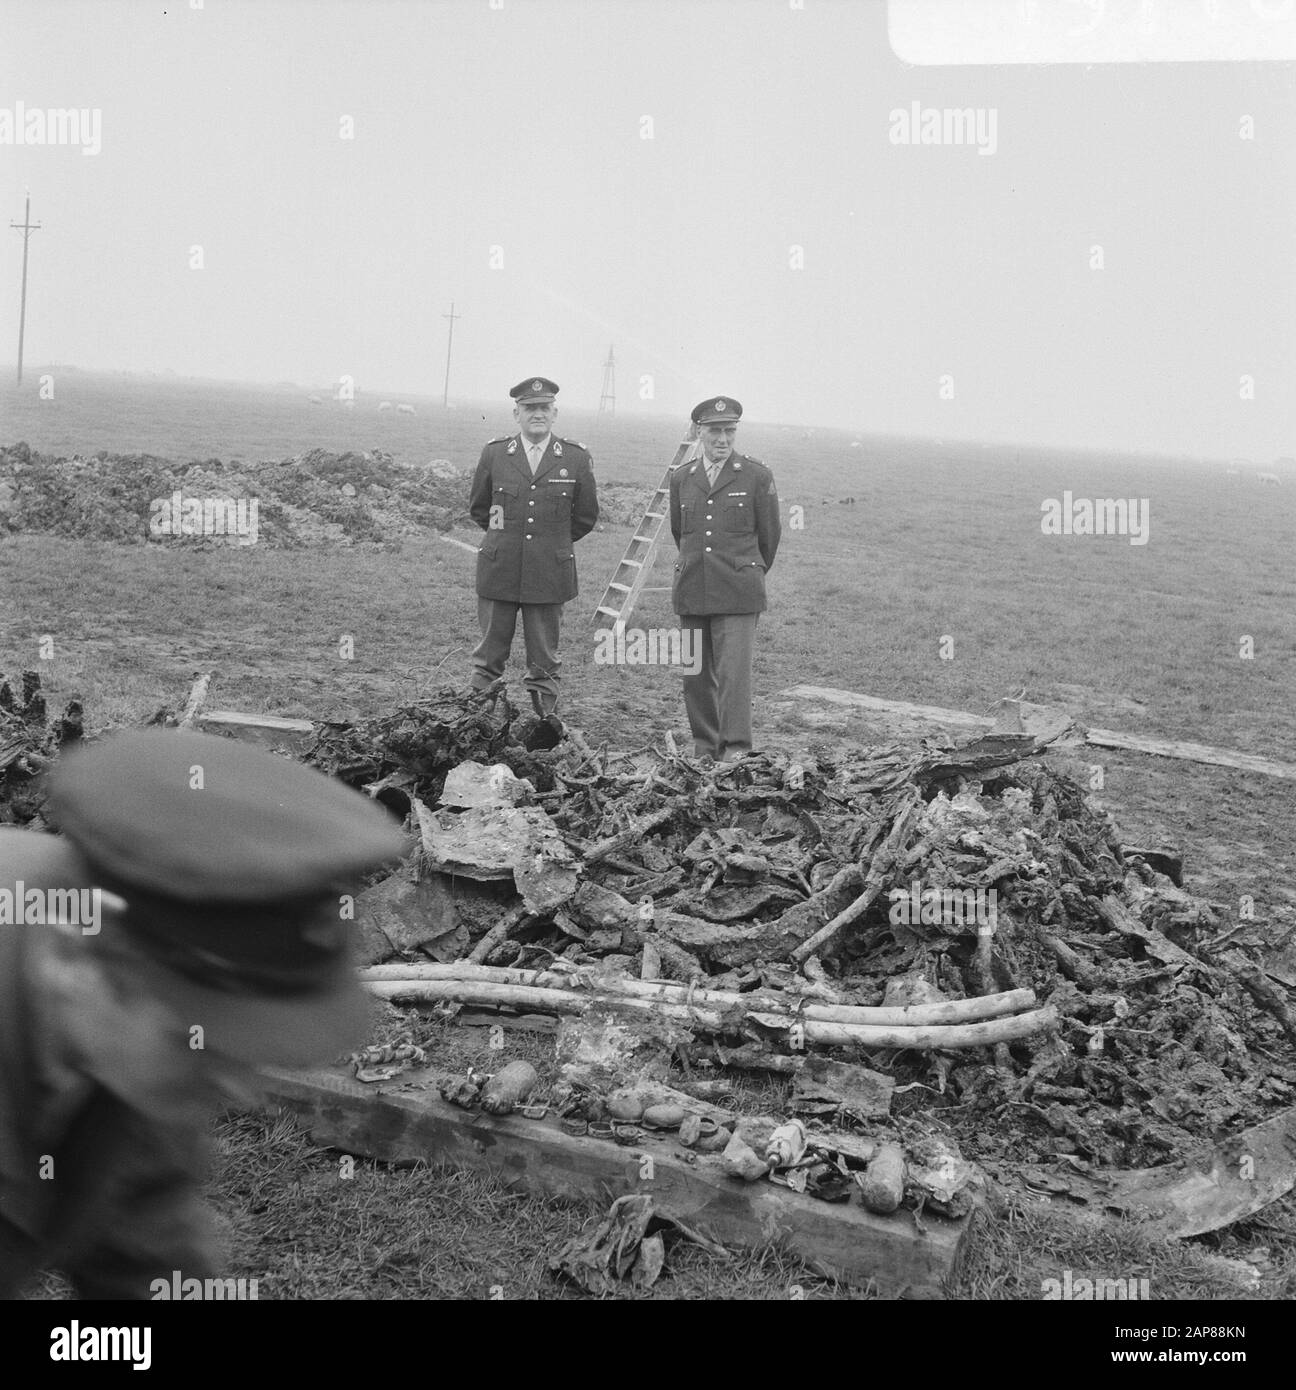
(646, 535)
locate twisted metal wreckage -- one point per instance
(945, 957)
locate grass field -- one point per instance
(943, 541)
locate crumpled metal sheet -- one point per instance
(598, 1258)
(409, 912)
(824, 1087)
(479, 784)
(937, 1172)
(500, 842)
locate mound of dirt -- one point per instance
(314, 498)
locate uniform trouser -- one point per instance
(718, 698)
(541, 626)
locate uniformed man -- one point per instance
(184, 929)
(534, 496)
(724, 517)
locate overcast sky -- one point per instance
(518, 132)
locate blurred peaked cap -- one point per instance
(534, 388)
(717, 410)
(259, 828)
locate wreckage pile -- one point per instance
(29, 743)
(315, 497)
(933, 955)
(964, 921)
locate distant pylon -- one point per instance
(607, 401)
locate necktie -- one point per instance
(713, 472)
(534, 451)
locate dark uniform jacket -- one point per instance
(531, 523)
(104, 1106)
(727, 536)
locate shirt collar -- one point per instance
(542, 446)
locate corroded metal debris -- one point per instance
(855, 876)
(29, 742)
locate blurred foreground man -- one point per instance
(534, 496)
(725, 520)
(185, 929)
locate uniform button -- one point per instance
(708, 533)
(708, 516)
(708, 547)
(533, 487)
(531, 503)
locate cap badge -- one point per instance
(720, 405)
(537, 385)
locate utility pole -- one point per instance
(607, 401)
(445, 395)
(26, 227)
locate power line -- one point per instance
(445, 396)
(607, 401)
(26, 227)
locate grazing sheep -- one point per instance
(405, 410)
(384, 405)
(1269, 478)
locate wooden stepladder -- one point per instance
(625, 586)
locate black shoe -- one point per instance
(546, 733)
(486, 694)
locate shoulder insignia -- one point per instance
(751, 458)
(574, 443)
(499, 440)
